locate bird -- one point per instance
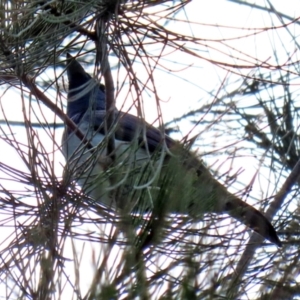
(144, 160)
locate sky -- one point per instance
(190, 81)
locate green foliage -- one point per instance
(57, 243)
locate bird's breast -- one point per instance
(91, 168)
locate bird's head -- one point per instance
(84, 91)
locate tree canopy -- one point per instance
(226, 87)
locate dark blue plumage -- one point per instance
(135, 142)
(84, 92)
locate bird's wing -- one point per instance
(129, 128)
(206, 193)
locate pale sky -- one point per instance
(190, 85)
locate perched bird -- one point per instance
(145, 161)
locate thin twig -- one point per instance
(256, 240)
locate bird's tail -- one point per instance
(206, 194)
